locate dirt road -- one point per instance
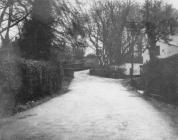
(94, 108)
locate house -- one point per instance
(164, 50)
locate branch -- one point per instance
(23, 5)
(4, 29)
(2, 14)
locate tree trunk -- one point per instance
(152, 53)
(152, 48)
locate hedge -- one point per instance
(161, 78)
(10, 83)
(69, 72)
(27, 80)
(39, 78)
(107, 72)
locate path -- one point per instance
(95, 108)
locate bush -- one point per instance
(10, 83)
(161, 78)
(39, 78)
(69, 72)
(137, 83)
(37, 35)
(23, 80)
(108, 72)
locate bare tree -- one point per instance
(70, 27)
(108, 30)
(13, 13)
(158, 21)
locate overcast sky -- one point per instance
(173, 2)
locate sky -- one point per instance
(173, 2)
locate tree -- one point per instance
(108, 30)
(158, 22)
(70, 28)
(37, 33)
(13, 13)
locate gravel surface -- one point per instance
(94, 108)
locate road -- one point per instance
(94, 108)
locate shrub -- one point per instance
(39, 78)
(161, 78)
(107, 71)
(69, 72)
(137, 83)
(10, 83)
(23, 80)
(37, 36)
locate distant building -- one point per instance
(164, 50)
(170, 49)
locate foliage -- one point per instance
(138, 83)
(159, 23)
(36, 40)
(79, 52)
(12, 14)
(10, 83)
(109, 33)
(37, 34)
(9, 73)
(39, 78)
(21, 18)
(161, 78)
(70, 28)
(69, 72)
(27, 80)
(107, 71)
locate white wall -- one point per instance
(168, 50)
(165, 49)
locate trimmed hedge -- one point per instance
(161, 78)
(39, 78)
(107, 72)
(10, 83)
(138, 83)
(23, 80)
(69, 72)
